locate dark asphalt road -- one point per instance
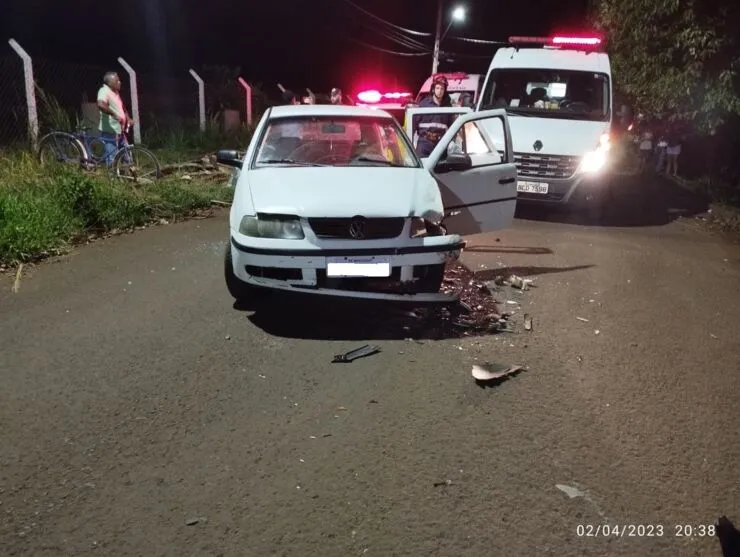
(136, 401)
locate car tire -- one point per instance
(244, 294)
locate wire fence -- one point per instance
(66, 95)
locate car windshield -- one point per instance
(563, 94)
(335, 141)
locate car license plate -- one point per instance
(532, 187)
(358, 266)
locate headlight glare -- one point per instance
(285, 228)
(594, 161)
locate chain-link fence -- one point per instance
(13, 111)
(66, 95)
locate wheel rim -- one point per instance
(59, 150)
(137, 165)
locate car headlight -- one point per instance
(285, 228)
(595, 160)
(418, 228)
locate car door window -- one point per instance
(470, 141)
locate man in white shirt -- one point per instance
(114, 120)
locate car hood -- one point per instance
(343, 191)
(558, 137)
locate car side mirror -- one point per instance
(454, 162)
(229, 157)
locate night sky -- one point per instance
(297, 42)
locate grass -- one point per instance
(44, 210)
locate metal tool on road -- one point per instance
(363, 351)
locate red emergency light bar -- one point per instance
(557, 40)
(373, 96)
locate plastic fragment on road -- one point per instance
(363, 351)
(527, 322)
(570, 491)
(492, 372)
(519, 282)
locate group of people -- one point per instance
(289, 97)
(429, 128)
(660, 148)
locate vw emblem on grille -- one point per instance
(358, 228)
(537, 145)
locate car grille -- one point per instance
(545, 166)
(374, 228)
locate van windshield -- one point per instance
(549, 93)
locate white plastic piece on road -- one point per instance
(571, 492)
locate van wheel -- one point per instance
(245, 295)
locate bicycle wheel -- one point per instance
(96, 147)
(61, 148)
(136, 164)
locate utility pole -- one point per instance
(435, 61)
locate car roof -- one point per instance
(292, 110)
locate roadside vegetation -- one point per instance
(46, 209)
(684, 71)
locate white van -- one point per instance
(557, 92)
(458, 83)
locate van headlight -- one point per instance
(278, 227)
(595, 160)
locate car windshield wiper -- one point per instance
(289, 161)
(378, 161)
(519, 112)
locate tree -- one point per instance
(675, 58)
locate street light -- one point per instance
(458, 14)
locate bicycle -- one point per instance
(89, 152)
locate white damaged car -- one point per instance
(333, 200)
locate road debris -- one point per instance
(195, 520)
(527, 322)
(582, 319)
(493, 372)
(363, 351)
(571, 492)
(17, 282)
(596, 332)
(440, 484)
(519, 283)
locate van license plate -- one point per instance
(532, 187)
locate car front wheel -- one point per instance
(244, 294)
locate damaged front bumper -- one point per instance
(305, 270)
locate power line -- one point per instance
(396, 53)
(458, 55)
(479, 41)
(397, 38)
(388, 23)
(420, 33)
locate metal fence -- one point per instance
(62, 95)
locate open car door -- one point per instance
(474, 167)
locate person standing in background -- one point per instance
(673, 151)
(114, 120)
(336, 96)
